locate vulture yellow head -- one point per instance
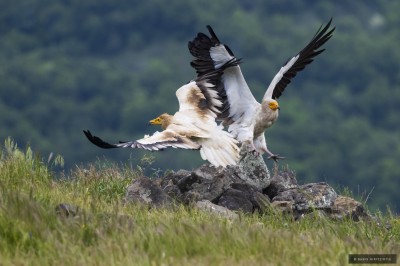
(273, 105)
(163, 120)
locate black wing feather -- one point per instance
(305, 57)
(200, 47)
(214, 78)
(98, 141)
(159, 146)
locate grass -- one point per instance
(106, 232)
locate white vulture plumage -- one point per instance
(193, 126)
(245, 117)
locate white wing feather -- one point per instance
(278, 77)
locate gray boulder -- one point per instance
(307, 198)
(244, 197)
(204, 183)
(145, 191)
(281, 181)
(208, 206)
(346, 207)
(67, 210)
(252, 169)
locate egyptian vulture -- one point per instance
(193, 126)
(247, 119)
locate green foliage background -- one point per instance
(110, 66)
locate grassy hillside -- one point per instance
(106, 232)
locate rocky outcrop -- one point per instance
(247, 188)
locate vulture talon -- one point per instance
(276, 157)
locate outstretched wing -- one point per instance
(298, 62)
(158, 141)
(211, 54)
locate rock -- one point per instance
(345, 207)
(281, 181)
(235, 187)
(322, 214)
(252, 169)
(143, 190)
(284, 206)
(208, 172)
(234, 199)
(243, 197)
(208, 182)
(313, 195)
(309, 197)
(216, 184)
(246, 187)
(67, 210)
(206, 205)
(169, 183)
(204, 183)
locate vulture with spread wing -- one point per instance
(193, 126)
(246, 118)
